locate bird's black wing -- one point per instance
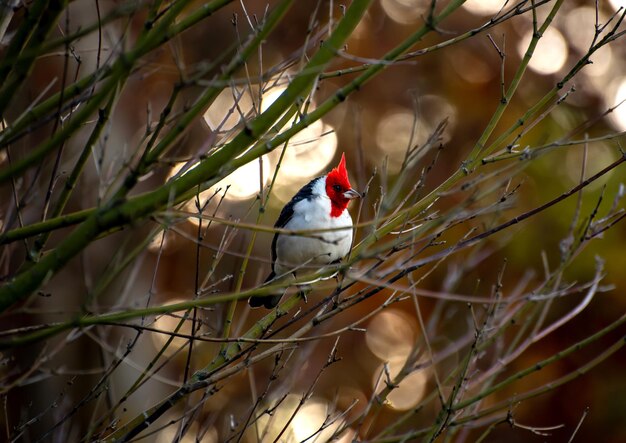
(306, 192)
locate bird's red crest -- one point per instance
(339, 175)
(337, 184)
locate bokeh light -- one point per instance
(227, 109)
(404, 11)
(233, 104)
(393, 135)
(409, 392)
(601, 64)
(483, 7)
(471, 67)
(304, 422)
(549, 55)
(390, 335)
(246, 181)
(580, 27)
(243, 183)
(164, 242)
(398, 128)
(309, 419)
(270, 96)
(314, 147)
(169, 323)
(617, 95)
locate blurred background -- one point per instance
(374, 127)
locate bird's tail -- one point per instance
(269, 301)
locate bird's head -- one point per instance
(338, 188)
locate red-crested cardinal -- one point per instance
(320, 204)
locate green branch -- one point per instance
(118, 213)
(21, 36)
(12, 82)
(200, 378)
(153, 38)
(540, 365)
(120, 70)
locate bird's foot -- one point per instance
(304, 291)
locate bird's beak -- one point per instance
(351, 193)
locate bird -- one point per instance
(320, 204)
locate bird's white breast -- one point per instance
(310, 251)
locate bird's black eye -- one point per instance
(337, 188)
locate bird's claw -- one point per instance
(304, 291)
